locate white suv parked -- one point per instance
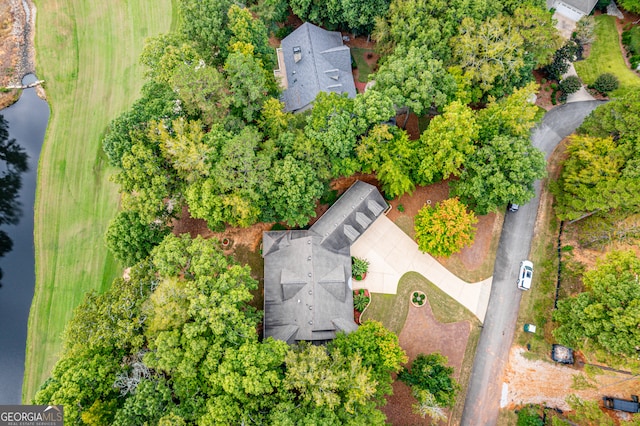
(525, 275)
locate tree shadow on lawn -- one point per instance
(440, 325)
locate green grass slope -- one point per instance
(87, 52)
(606, 56)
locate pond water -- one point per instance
(27, 121)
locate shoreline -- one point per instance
(17, 50)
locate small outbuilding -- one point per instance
(307, 273)
(313, 60)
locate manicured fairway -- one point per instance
(606, 56)
(87, 52)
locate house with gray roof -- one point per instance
(307, 273)
(313, 60)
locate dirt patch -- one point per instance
(543, 97)
(422, 333)
(412, 203)
(541, 382)
(473, 256)
(249, 237)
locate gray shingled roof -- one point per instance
(323, 65)
(307, 273)
(585, 6)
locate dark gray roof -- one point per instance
(315, 61)
(350, 216)
(307, 273)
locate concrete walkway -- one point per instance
(582, 94)
(392, 253)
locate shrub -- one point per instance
(430, 373)
(284, 31)
(359, 267)
(401, 208)
(606, 83)
(529, 416)
(570, 84)
(360, 301)
(329, 197)
(561, 60)
(418, 298)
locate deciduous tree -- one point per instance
(446, 228)
(205, 22)
(147, 182)
(130, 239)
(293, 191)
(186, 147)
(447, 142)
(502, 170)
(430, 373)
(248, 84)
(607, 314)
(246, 29)
(414, 79)
(379, 350)
(203, 90)
(391, 154)
(631, 5)
(599, 174)
(513, 115)
(491, 53)
(157, 103)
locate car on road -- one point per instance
(525, 275)
(513, 207)
(619, 404)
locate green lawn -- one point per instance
(392, 309)
(606, 56)
(358, 54)
(87, 52)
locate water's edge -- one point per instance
(27, 119)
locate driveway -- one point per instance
(392, 253)
(485, 386)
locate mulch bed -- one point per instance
(422, 333)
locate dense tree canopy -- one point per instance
(599, 174)
(205, 23)
(602, 170)
(390, 153)
(447, 143)
(432, 384)
(606, 315)
(130, 239)
(503, 170)
(630, 5)
(414, 79)
(426, 23)
(356, 16)
(158, 102)
(176, 343)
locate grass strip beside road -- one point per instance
(606, 56)
(87, 52)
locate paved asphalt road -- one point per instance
(483, 395)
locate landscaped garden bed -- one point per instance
(361, 299)
(417, 298)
